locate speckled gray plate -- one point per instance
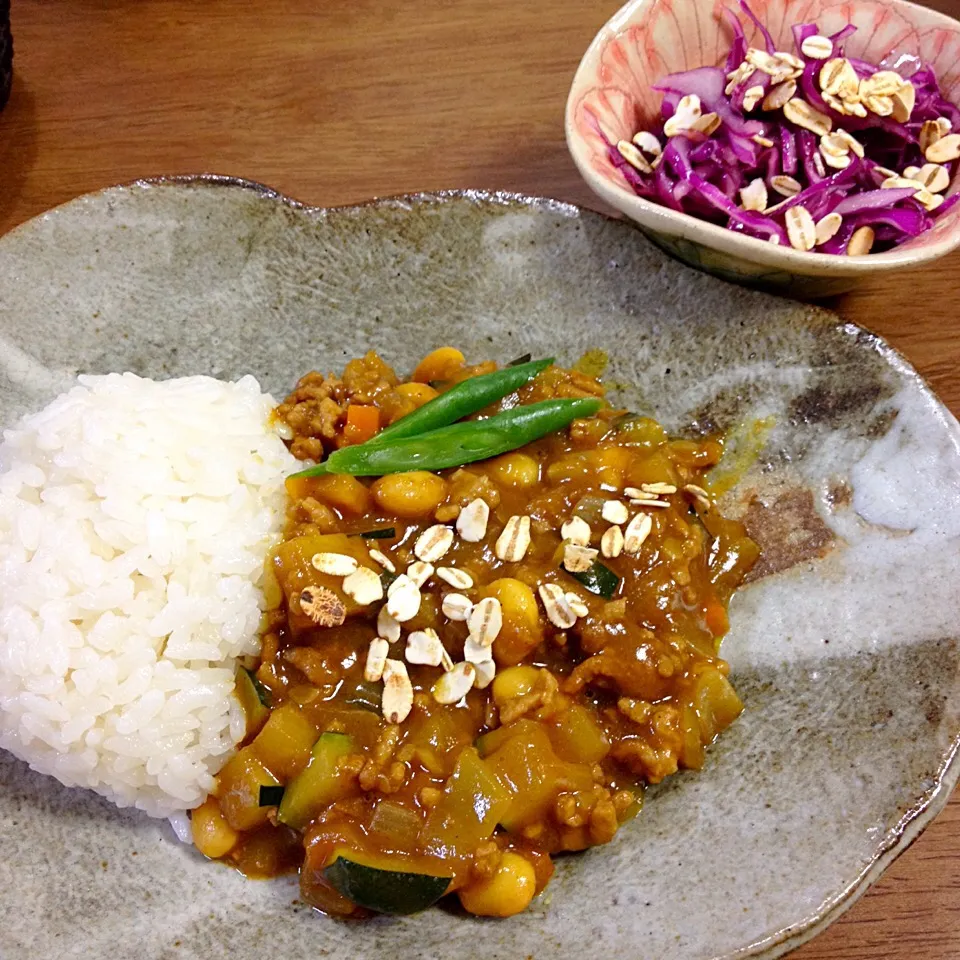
(845, 648)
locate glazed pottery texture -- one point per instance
(844, 646)
(612, 97)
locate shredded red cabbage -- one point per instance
(841, 35)
(771, 46)
(871, 200)
(716, 137)
(738, 49)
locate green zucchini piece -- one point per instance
(384, 533)
(318, 784)
(254, 697)
(270, 796)
(386, 578)
(599, 579)
(364, 695)
(397, 892)
(263, 694)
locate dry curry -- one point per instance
(468, 670)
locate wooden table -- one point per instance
(339, 100)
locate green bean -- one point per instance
(461, 400)
(459, 443)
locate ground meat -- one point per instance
(466, 486)
(312, 511)
(587, 433)
(312, 664)
(603, 820)
(314, 411)
(352, 764)
(312, 414)
(307, 448)
(556, 382)
(381, 772)
(593, 809)
(312, 386)
(626, 665)
(644, 760)
(570, 811)
(368, 379)
(545, 698)
(425, 756)
(660, 724)
(637, 711)
(486, 859)
(429, 797)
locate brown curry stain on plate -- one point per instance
(788, 530)
(224, 277)
(839, 494)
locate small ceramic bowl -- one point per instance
(612, 97)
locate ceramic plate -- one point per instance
(845, 646)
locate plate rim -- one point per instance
(263, 190)
(927, 805)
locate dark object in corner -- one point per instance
(6, 53)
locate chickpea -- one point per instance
(413, 494)
(642, 432)
(609, 464)
(395, 405)
(651, 469)
(212, 835)
(696, 454)
(522, 630)
(513, 682)
(573, 466)
(417, 393)
(508, 892)
(441, 364)
(515, 470)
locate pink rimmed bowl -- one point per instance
(612, 97)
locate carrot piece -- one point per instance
(715, 617)
(363, 422)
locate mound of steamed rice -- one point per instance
(135, 517)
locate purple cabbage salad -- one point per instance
(813, 149)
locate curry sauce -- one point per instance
(558, 608)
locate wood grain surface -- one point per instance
(340, 100)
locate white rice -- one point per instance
(134, 521)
